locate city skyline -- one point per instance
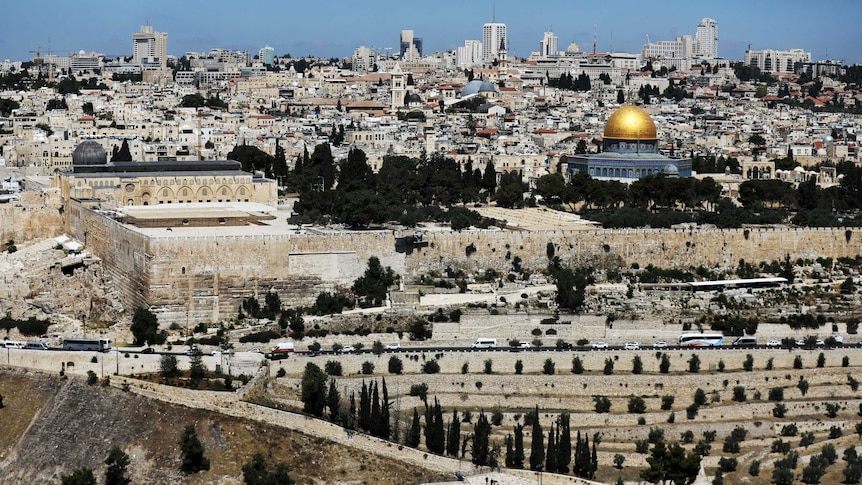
(307, 29)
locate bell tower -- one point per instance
(398, 88)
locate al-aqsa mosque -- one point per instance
(629, 151)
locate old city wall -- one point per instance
(189, 279)
(623, 247)
(205, 278)
(36, 215)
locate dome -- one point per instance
(89, 153)
(476, 87)
(412, 98)
(630, 123)
(670, 170)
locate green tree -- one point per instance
(145, 328)
(192, 450)
(124, 154)
(168, 366)
(80, 476)
(256, 472)
(313, 389)
(481, 436)
(333, 400)
(537, 448)
(671, 464)
(372, 286)
(453, 435)
(117, 463)
(414, 432)
(197, 369)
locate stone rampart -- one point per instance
(189, 279)
(36, 215)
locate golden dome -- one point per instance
(630, 123)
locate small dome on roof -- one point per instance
(477, 86)
(412, 98)
(89, 152)
(670, 169)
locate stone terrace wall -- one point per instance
(37, 215)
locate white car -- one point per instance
(254, 350)
(773, 343)
(600, 345)
(395, 346)
(348, 349)
(659, 345)
(632, 346)
(524, 345)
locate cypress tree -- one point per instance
(510, 451)
(551, 453)
(374, 422)
(333, 397)
(564, 444)
(594, 462)
(454, 437)
(518, 459)
(537, 448)
(364, 408)
(481, 437)
(386, 427)
(413, 433)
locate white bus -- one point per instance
(701, 340)
(97, 344)
(11, 344)
(485, 343)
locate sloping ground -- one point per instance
(52, 426)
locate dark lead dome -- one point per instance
(477, 86)
(89, 153)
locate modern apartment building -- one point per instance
(706, 39)
(548, 46)
(769, 60)
(150, 49)
(493, 34)
(468, 54)
(410, 46)
(266, 55)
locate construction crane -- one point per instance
(40, 61)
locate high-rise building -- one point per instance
(410, 46)
(548, 45)
(150, 49)
(493, 34)
(267, 55)
(706, 43)
(468, 54)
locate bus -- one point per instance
(97, 344)
(701, 340)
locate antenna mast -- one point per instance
(595, 36)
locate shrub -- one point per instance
(730, 446)
(603, 404)
(789, 430)
(699, 397)
(702, 448)
(691, 411)
(748, 364)
(281, 372)
(780, 446)
(489, 367)
(609, 366)
(431, 367)
(642, 446)
(797, 362)
(395, 365)
(367, 367)
(832, 409)
(619, 459)
(92, 378)
(754, 468)
(667, 402)
(739, 393)
(694, 364)
(636, 405)
(834, 432)
(655, 435)
(637, 365)
(519, 367)
(845, 361)
(776, 394)
(419, 390)
(687, 436)
(333, 368)
(821, 360)
(853, 383)
(465, 368)
(577, 365)
(548, 367)
(779, 410)
(664, 365)
(727, 465)
(769, 366)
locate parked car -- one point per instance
(565, 346)
(254, 350)
(600, 345)
(773, 343)
(395, 346)
(193, 351)
(632, 346)
(348, 349)
(148, 350)
(661, 344)
(524, 345)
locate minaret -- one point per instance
(398, 88)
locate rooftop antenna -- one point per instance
(612, 40)
(595, 36)
(494, 11)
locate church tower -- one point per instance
(398, 88)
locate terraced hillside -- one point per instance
(783, 400)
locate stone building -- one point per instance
(117, 184)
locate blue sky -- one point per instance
(333, 28)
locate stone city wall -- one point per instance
(203, 278)
(36, 215)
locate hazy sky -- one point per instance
(333, 28)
